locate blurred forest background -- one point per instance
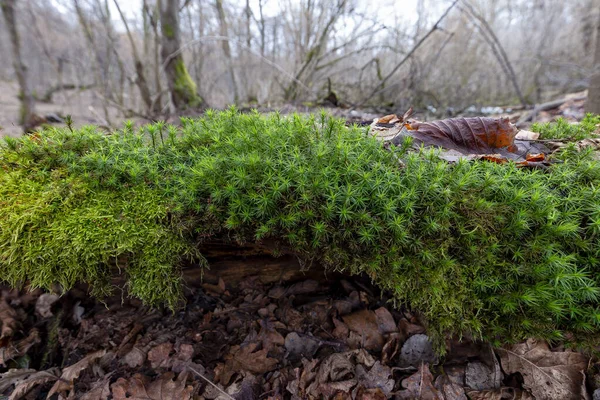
(103, 61)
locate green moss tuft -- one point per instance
(185, 85)
(478, 248)
(563, 129)
(167, 30)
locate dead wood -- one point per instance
(544, 107)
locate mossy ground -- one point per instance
(478, 248)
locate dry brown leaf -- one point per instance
(390, 348)
(13, 377)
(378, 377)
(505, 393)
(419, 386)
(364, 324)
(99, 391)
(38, 378)
(303, 378)
(341, 329)
(408, 328)
(448, 389)
(300, 346)
(495, 158)
(385, 320)
(269, 336)
(134, 358)
(387, 119)
(538, 157)
(69, 374)
(8, 317)
(370, 394)
(164, 387)
(546, 374)
(19, 348)
(159, 355)
(467, 135)
(336, 367)
(339, 390)
(247, 358)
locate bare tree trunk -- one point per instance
(248, 12)
(27, 103)
(140, 80)
(153, 18)
(224, 31)
(112, 48)
(181, 85)
(100, 68)
(262, 28)
(593, 101)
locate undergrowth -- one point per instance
(478, 248)
(563, 129)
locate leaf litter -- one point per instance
(338, 339)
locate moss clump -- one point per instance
(563, 129)
(478, 248)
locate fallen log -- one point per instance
(545, 107)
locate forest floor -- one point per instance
(337, 339)
(83, 106)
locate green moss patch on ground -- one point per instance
(478, 248)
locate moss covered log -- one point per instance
(478, 248)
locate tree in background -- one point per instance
(593, 100)
(224, 30)
(181, 85)
(26, 117)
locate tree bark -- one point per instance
(26, 117)
(224, 30)
(593, 101)
(181, 85)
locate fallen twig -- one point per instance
(224, 393)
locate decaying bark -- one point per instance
(593, 100)
(181, 86)
(236, 263)
(26, 118)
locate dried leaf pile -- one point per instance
(304, 340)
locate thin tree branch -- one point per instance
(408, 55)
(243, 46)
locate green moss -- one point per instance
(478, 248)
(167, 30)
(185, 85)
(563, 129)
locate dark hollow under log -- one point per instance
(235, 263)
